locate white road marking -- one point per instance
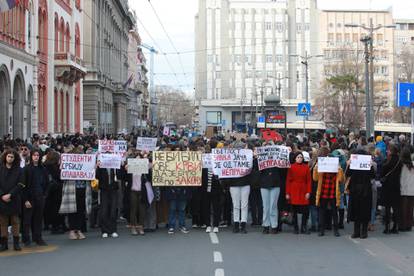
(353, 240)
(396, 270)
(371, 253)
(218, 258)
(219, 272)
(214, 239)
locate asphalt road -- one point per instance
(199, 253)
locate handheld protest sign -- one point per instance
(360, 162)
(273, 156)
(328, 164)
(232, 163)
(138, 166)
(176, 168)
(109, 161)
(78, 166)
(146, 143)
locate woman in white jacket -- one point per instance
(407, 190)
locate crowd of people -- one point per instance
(34, 198)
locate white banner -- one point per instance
(146, 144)
(328, 164)
(138, 166)
(207, 161)
(112, 146)
(109, 161)
(232, 163)
(360, 162)
(273, 156)
(78, 167)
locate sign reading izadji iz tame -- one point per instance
(232, 163)
(360, 162)
(78, 166)
(146, 144)
(328, 164)
(176, 168)
(112, 146)
(273, 156)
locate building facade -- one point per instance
(18, 80)
(106, 29)
(247, 50)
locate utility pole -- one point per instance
(366, 41)
(153, 96)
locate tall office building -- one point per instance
(247, 50)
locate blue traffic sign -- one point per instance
(304, 109)
(405, 94)
(261, 119)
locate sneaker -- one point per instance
(195, 226)
(41, 242)
(215, 230)
(203, 226)
(184, 230)
(104, 235)
(134, 231)
(72, 235)
(114, 235)
(208, 229)
(171, 231)
(81, 236)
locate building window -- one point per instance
(279, 58)
(269, 59)
(331, 25)
(279, 26)
(67, 38)
(213, 117)
(62, 35)
(268, 26)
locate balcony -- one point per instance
(68, 68)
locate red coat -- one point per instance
(298, 184)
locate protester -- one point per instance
(407, 190)
(11, 186)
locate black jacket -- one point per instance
(391, 186)
(270, 178)
(106, 181)
(28, 181)
(11, 182)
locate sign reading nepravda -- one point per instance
(78, 166)
(176, 168)
(112, 146)
(273, 156)
(232, 163)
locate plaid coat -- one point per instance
(318, 177)
(68, 205)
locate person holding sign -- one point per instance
(360, 195)
(328, 193)
(298, 191)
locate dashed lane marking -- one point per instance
(214, 239)
(219, 272)
(396, 270)
(218, 258)
(371, 253)
(353, 240)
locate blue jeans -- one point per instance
(314, 216)
(177, 205)
(270, 198)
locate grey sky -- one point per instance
(178, 19)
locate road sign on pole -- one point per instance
(304, 109)
(405, 94)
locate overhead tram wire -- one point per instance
(169, 38)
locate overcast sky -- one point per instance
(177, 16)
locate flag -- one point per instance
(128, 82)
(6, 5)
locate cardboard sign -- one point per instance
(176, 168)
(328, 164)
(78, 166)
(138, 166)
(109, 161)
(207, 161)
(232, 163)
(112, 146)
(146, 144)
(360, 162)
(273, 156)
(306, 156)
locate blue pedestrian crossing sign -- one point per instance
(405, 94)
(304, 109)
(261, 119)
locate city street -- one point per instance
(199, 253)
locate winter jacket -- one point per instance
(29, 178)
(11, 182)
(391, 171)
(270, 178)
(298, 184)
(407, 181)
(319, 178)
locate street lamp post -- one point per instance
(370, 99)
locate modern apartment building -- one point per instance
(247, 50)
(404, 49)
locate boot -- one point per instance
(387, 229)
(357, 230)
(266, 230)
(336, 233)
(341, 218)
(16, 244)
(236, 228)
(4, 244)
(295, 224)
(364, 233)
(304, 226)
(394, 229)
(243, 228)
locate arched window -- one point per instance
(39, 40)
(67, 38)
(56, 109)
(77, 40)
(56, 33)
(78, 4)
(62, 35)
(67, 112)
(62, 106)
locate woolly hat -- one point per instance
(379, 138)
